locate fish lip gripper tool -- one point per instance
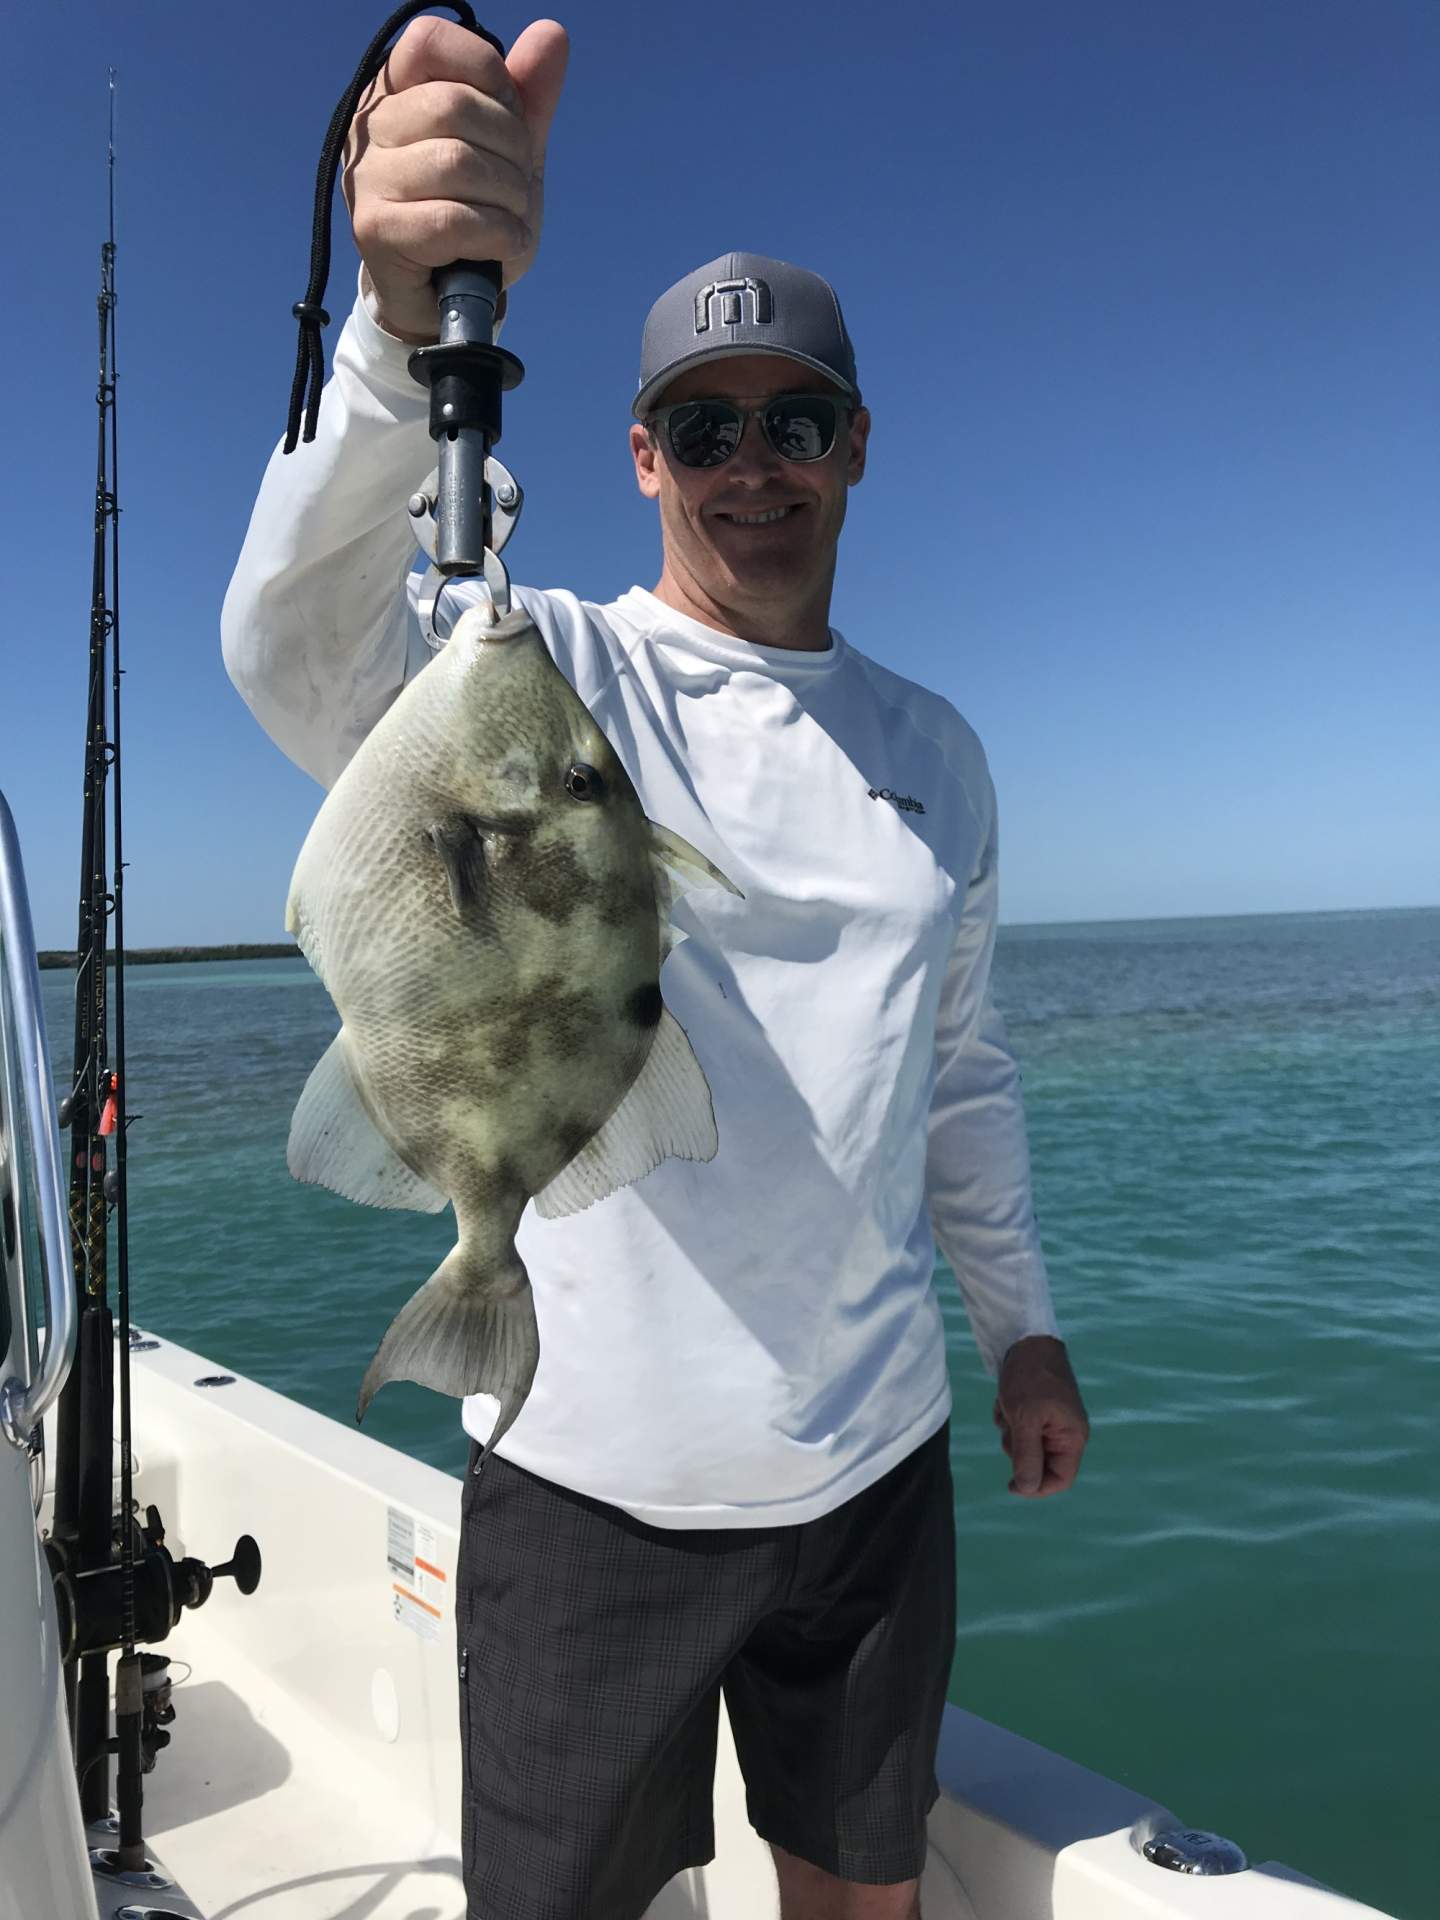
(465, 374)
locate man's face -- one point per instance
(703, 510)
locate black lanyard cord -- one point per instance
(310, 312)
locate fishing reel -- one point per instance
(507, 498)
(90, 1606)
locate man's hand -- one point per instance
(1041, 1417)
(446, 161)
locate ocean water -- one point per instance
(1236, 1142)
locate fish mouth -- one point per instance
(483, 623)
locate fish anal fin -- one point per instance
(666, 1113)
(334, 1143)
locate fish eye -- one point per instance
(584, 783)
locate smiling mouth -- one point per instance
(770, 516)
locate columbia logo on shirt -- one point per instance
(904, 801)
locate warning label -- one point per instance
(417, 1580)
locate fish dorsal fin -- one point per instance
(666, 1112)
(334, 1143)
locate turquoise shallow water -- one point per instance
(1236, 1142)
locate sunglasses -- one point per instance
(704, 433)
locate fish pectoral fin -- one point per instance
(667, 1112)
(470, 1329)
(679, 867)
(462, 853)
(334, 1143)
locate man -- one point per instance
(732, 1469)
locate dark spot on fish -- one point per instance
(509, 1045)
(551, 881)
(500, 1191)
(628, 902)
(554, 1017)
(645, 1006)
(571, 1136)
(492, 1185)
(509, 1177)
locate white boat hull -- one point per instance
(315, 1766)
(44, 1865)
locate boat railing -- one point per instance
(31, 1184)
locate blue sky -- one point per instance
(1143, 296)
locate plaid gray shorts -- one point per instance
(593, 1649)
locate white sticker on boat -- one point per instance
(417, 1580)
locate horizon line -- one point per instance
(281, 949)
(1248, 913)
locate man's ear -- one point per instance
(646, 453)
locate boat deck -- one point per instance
(314, 1767)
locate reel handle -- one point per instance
(243, 1565)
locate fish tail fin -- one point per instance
(470, 1329)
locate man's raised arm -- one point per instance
(446, 161)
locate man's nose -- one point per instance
(754, 458)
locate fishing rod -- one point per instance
(454, 515)
(82, 1527)
(115, 1584)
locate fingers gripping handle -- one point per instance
(476, 372)
(466, 374)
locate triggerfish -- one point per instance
(488, 907)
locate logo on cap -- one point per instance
(731, 295)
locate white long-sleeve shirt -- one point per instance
(754, 1340)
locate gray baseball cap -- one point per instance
(744, 303)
